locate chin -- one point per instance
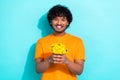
(59, 31)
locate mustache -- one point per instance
(58, 25)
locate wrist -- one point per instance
(67, 62)
(49, 60)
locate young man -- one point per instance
(57, 66)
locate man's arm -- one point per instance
(75, 67)
(42, 65)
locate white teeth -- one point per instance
(59, 26)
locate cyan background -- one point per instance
(23, 22)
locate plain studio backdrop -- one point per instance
(23, 22)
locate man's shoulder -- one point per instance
(73, 37)
(44, 38)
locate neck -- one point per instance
(59, 34)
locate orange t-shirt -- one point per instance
(75, 51)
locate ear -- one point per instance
(67, 23)
(50, 23)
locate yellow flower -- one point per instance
(58, 48)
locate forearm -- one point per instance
(75, 67)
(42, 66)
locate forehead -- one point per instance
(60, 17)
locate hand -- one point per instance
(58, 58)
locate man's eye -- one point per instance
(55, 19)
(63, 19)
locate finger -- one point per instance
(57, 56)
(57, 59)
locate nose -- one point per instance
(59, 22)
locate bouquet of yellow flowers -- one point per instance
(58, 48)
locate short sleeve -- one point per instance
(79, 51)
(38, 50)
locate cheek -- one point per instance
(53, 23)
(65, 24)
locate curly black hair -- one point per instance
(59, 11)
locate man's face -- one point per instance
(59, 24)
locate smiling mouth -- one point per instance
(59, 27)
